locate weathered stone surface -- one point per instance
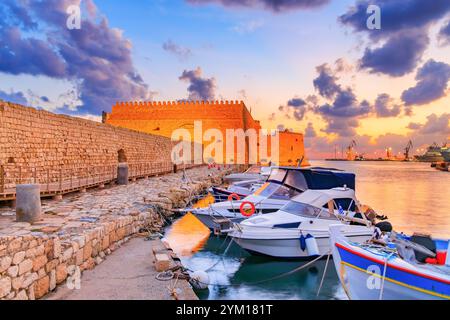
(13, 271)
(52, 280)
(42, 287)
(51, 265)
(5, 286)
(61, 273)
(25, 266)
(18, 257)
(87, 251)
(21, 295)
(29, 279)
(79, 257)
(56, 248)
(39, 262)
(17, 282)
(15, 245)
(5, 262)
(67, 254)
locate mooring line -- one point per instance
(266, 280)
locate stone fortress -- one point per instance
(162, 118)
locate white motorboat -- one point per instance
(406, 268)
(300, 229)
(283, 184)
(259, 173)
(239, 189)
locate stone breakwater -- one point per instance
(80, 231)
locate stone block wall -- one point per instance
(38, 140)
(32, 266)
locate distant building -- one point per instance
(163, 118)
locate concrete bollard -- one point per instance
(28, 203)
(122, 173)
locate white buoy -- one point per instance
(200, 279)
(311, 246)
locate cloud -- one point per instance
(398, 56)
(296, 108)
(384, 106)
(396, 15)
(444, 34)
(296, 102)
(432, 79)
(199, 88)
(95, 58)
(326, 82)
(271, 5)
(19, 55)
(183, 53)
(345, 105)
(14, 97)
(435, 125)
(414, 126)
(405, 25)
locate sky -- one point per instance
(310, 66)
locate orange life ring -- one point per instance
(234, 196)
(246, 213)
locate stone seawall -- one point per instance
(79, 232)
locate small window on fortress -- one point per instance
(292, 148)
(11, 160)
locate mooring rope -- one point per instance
(269, 279)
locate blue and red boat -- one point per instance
(401, 270)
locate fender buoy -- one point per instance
(234, 196)
(311, 245)
(247, 213)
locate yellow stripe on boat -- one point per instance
(398, 282)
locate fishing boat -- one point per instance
(407, 268)
(283, 184)
(300, 229)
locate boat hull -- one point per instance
(367, 275)
(287, 248)
(209, 220)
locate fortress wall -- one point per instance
(162, 118)
(40, 139)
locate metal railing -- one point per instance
(61, 180)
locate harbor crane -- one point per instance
(407, 149)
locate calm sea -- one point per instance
(414, 196)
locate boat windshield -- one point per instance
(277, 175)
(306, 210)
(296, 179)
(276, 191)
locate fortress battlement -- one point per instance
(190, 103)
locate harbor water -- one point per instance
(414, 196)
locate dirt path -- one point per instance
(128, 274)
